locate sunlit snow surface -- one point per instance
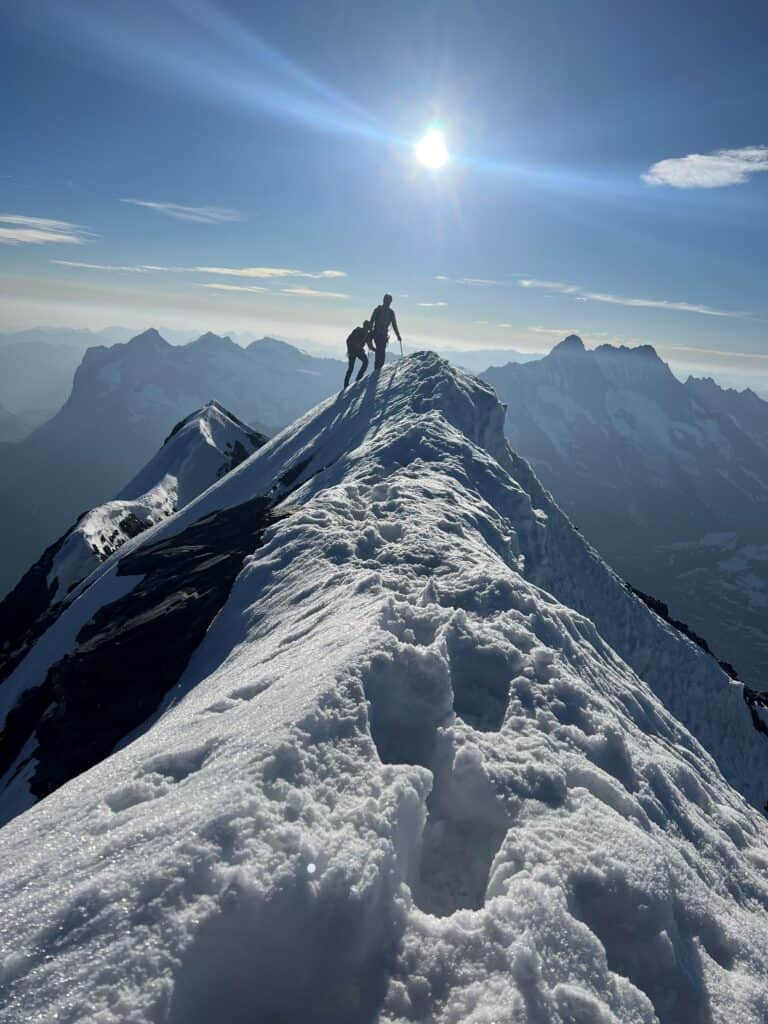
(409, 775)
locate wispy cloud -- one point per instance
(260, 273)
(196, 214)
(16, 229)
(140, 269)
(505, 325)
(302, 292)
(431, 305)
(711, 170)
(269, 272)
(480, 282)
(584, 295)
(235, 287)
(312, 293)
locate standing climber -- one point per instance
(356, 342)
(381, 318)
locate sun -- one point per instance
(431, 150)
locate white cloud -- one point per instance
(431, 305)
(236, 287)
(482, 282)
(711, 170)
(196, 214)
(16, 229)
(269, 272)
(261, 273)
(313, 293)
(505, 325)
(141, 269)
(584, 295)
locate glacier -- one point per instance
(430, 761)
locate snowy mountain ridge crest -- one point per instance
(200, 449)
(425, 719)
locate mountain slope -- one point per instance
(745, 408)
(12, 427)
(201, 449)
(418, 760)
(667, 482)
(124, 399)
(36, 377)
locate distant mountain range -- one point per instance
(669, 480)
(124, 400)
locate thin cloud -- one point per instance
(17, 229)
(505, 325)
(269, 272)
(480, 282)
(140, 269)
(431, 305)
(312, 293)
(196, 214)
(261, 273)
(583, 295)
(235, 287)
(720, 169)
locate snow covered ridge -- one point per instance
(429, 760)
(201, 449)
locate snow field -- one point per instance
(410, 774)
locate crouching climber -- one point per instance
(356, 344)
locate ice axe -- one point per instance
(401, 347)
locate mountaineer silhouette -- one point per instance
(356, 342)
(381, 319)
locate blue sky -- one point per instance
(607, 171)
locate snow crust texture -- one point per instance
(430, 762)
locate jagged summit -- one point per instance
(373, 681)
(210, 412)
(274, 348)
(212, 342)
(647, 352)
(151, 338)
(572, 345)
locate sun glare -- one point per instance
(431, 150)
